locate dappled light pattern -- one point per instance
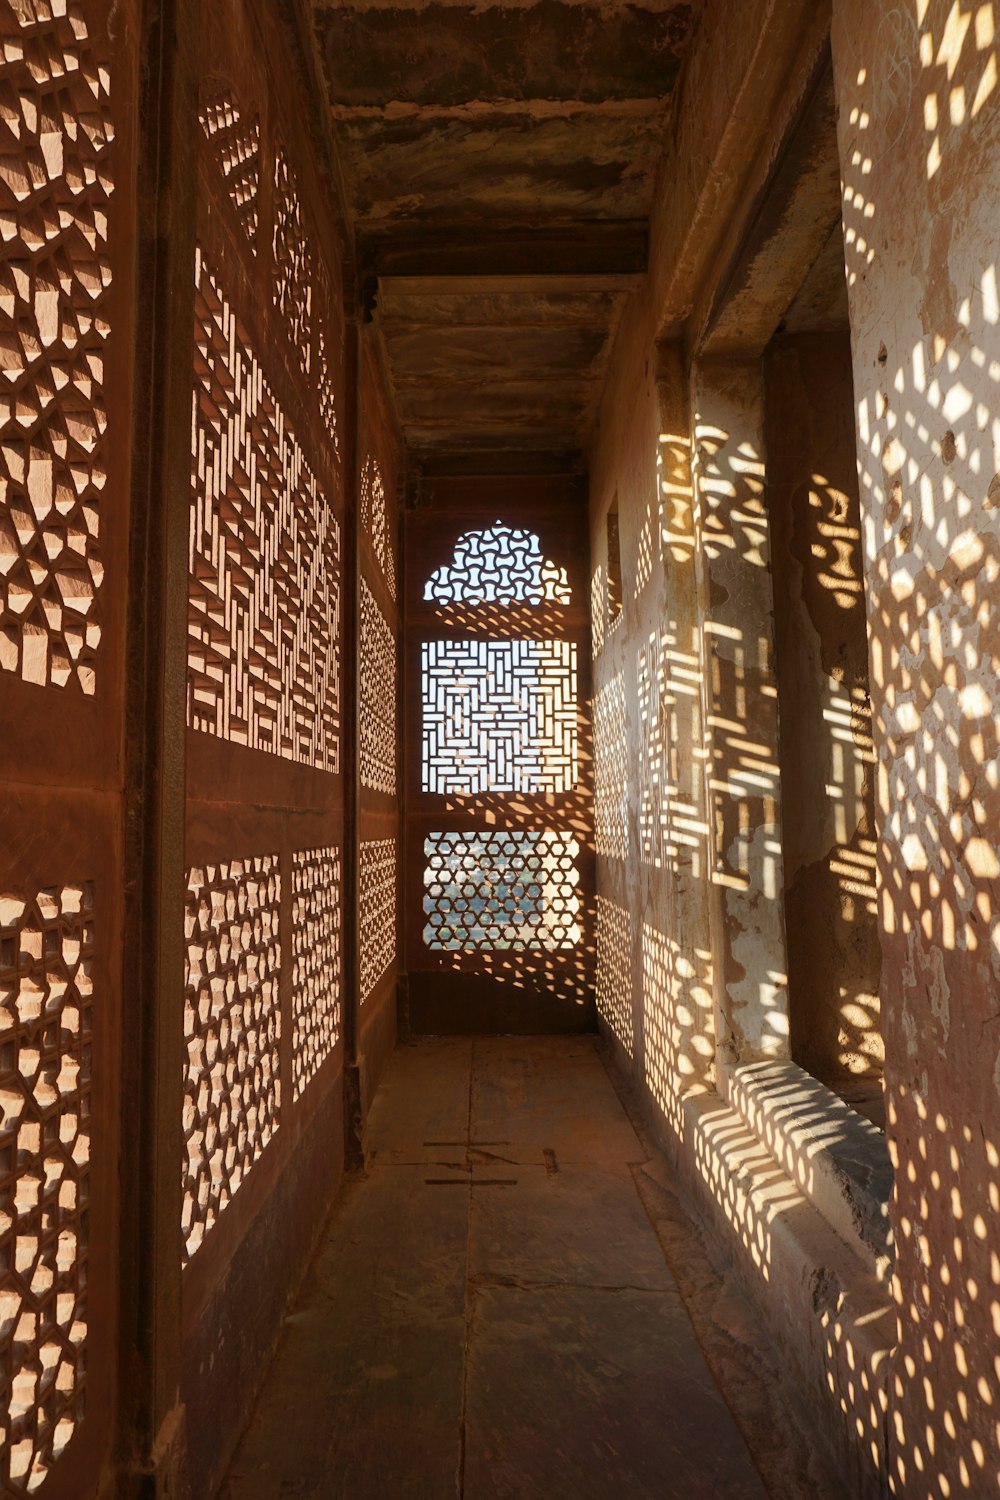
(316, 974)
(499, 716)
(232, 1032)
(501, 565)
(377, 688)
(235, 146)
(503, 890)
(264, 596)
(614, 971)
(670, 821)
(611, 770)
(46, 996)
(678, 1029)
(56, 181)
(598, 610)
(377, 906)
(741, 721)
(926, 321)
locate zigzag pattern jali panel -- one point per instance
(264, 601)
(377, 750)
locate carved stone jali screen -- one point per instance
(499, 910)
(379, 792)
(67, 204)
(264, 992)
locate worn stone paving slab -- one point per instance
(421, 1109)
(364, 1396)
(581, 1225)
(549, 1093)
(490, 1313)
(577, 1394)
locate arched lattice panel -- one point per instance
(499, 874)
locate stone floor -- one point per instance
(491, 1314)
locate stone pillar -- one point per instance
(918, 94)
(740, 712)
(673, 866)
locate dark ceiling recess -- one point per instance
(500, 163)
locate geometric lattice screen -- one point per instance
(235, 146)
(501, 890)
(611, 769)
(501, 565)
(499, 716)
(46, 954)
(55, 273)
(292, 289)
(377, 898)
(232, 1029)
(375, 521)
(315, 962)
(377, 691)
(264, 593)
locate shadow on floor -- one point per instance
(491, 1313)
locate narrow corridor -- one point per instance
(490, 1314)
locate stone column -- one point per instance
(740, 712)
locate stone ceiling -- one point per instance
(499, 160)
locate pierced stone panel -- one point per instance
(499, 716)
(377, 912)
(501, 565)
(46, 997)
(235, 143)
(502, 890)
(611, 770)
(378, 697)
(375, 521)
(232, 1028)
(315, 961)
(293, 262)
(56, 133)
(264, 600)
(326, 351)
(614, 970)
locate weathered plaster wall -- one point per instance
(683, 710)
(654, 976)
(825, 751)
(920, 145)
(682, 446)
(908, 1411)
